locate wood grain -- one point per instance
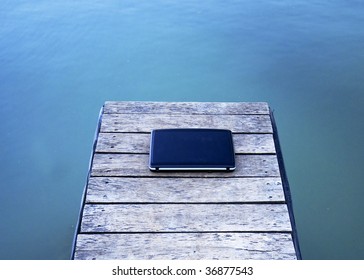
(179, 190)
(147, 122)
(185, 108)
(184, 218)
(137, 165)
(182, 246)
(139, 143)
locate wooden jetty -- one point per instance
(129, 212)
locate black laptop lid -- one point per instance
(191, 149)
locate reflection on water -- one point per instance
(61, 61)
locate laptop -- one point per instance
(191, 149)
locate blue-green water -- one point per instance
(60, 60)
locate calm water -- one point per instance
(60, 60)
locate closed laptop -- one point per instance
(191, 149)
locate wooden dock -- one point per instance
(129, 212)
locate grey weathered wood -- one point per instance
(137, 165)
(184, 218)
(182, 246)
(133, 213)
(139, 143)
(147, 122)
(189, 108)
(172, 190)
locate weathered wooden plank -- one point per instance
(192, 246)
(225, 108)
(184, 218)
(129, 190)
(147, 122)
(139, 143)
(137, 165)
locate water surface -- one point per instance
(60, 60)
